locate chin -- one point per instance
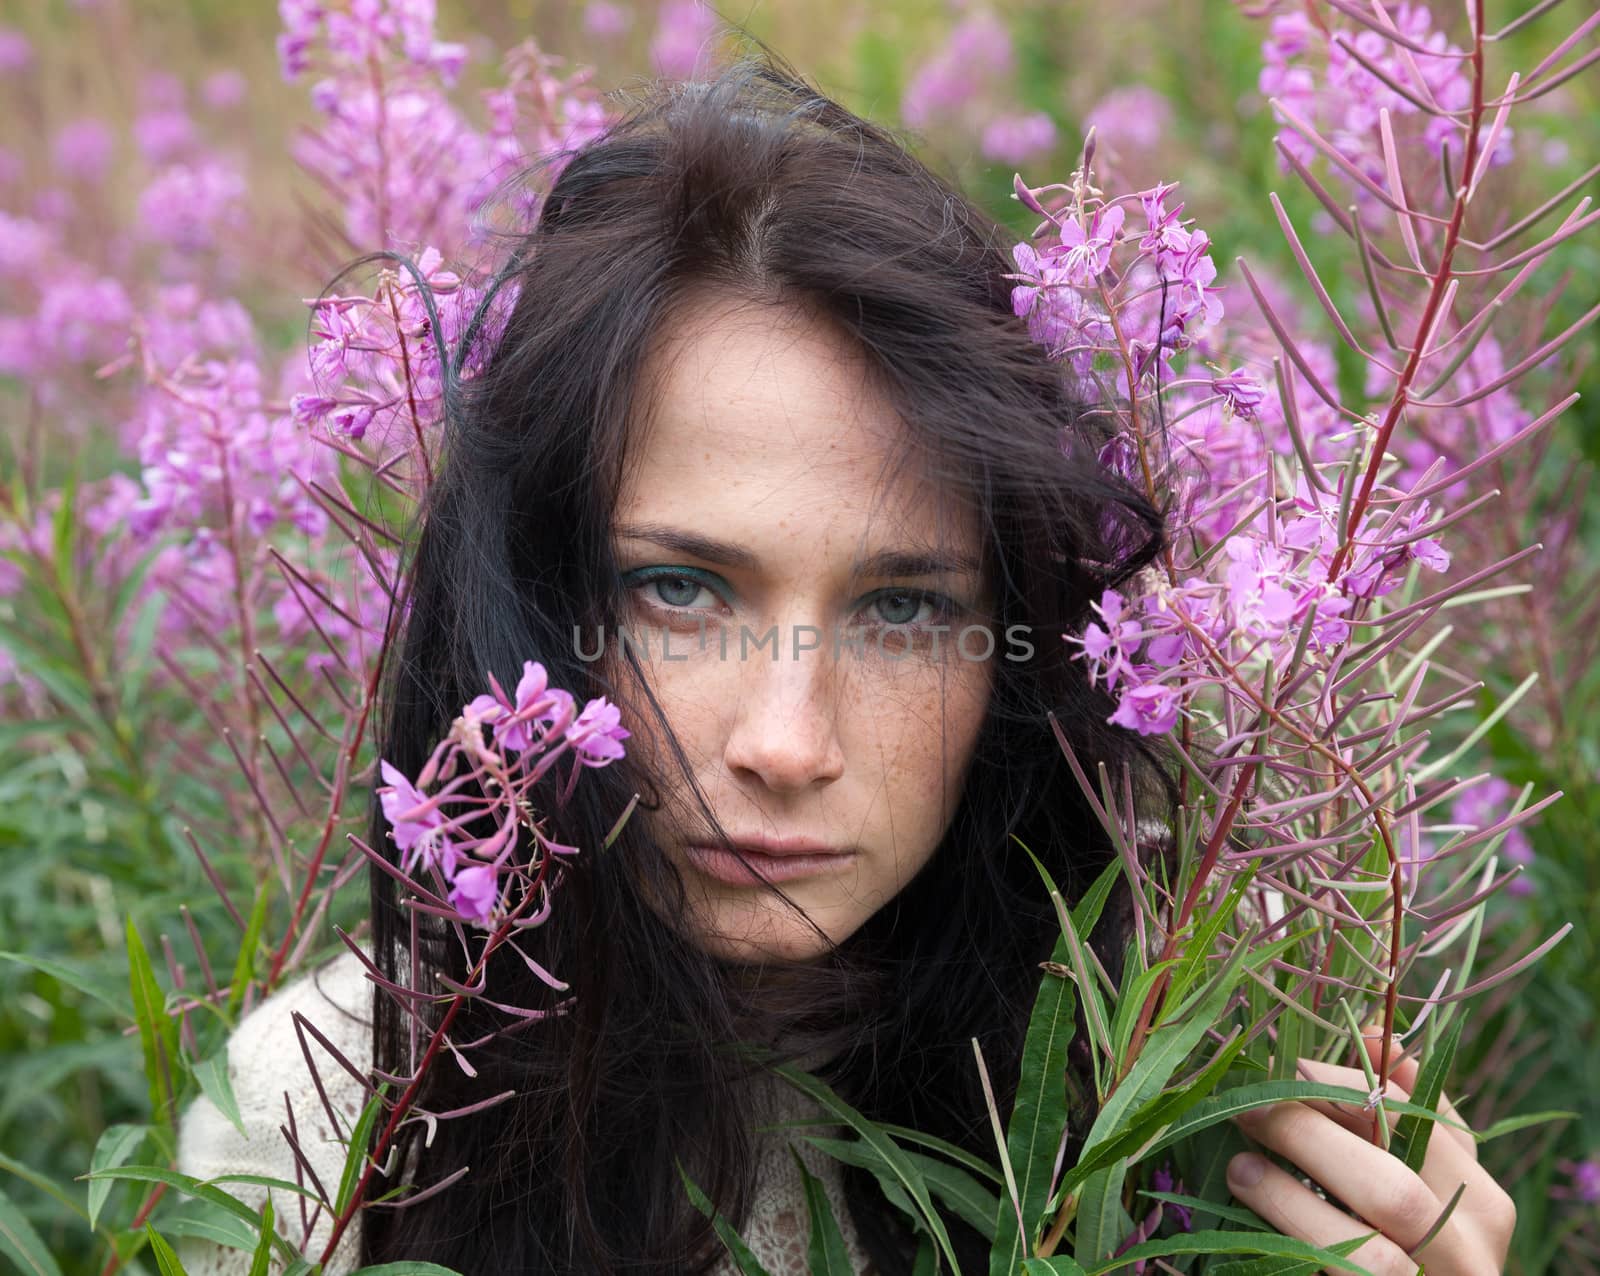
(775, 936)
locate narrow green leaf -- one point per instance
(971, 1200)
(158, 1035)
(1147, 1123)
(1228, 1104)
(1286, 1266)
(1086, 912)
(190, 1186)
(212, 1074)
(107, 994)
(1056, 1265)
(1510, 1125)
(166, 1257)
(1410, 1141)
(1266, 1243)
(114, 1146)
(742, 1257)
(355, 1158)
(205, 1221)
(927, 1263)
(22, 1242)
(1038, 1116)
(406, 1267)
(826, 1254)
(244, 969)
(1100, 1213)
(977, 1165)
(263, 1251)
(1247, 1219)
(906, 1174)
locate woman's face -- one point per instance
(782, 597)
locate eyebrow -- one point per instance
(889, 562)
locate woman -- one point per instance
(762, 401)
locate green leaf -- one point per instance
(1228, 1104)
(112, 1148)
(1230, 1243)
(1086, 912)
(263, 1250)
(905, 1172)
(745, 1260)
(166, 1257)
(212, 1074)
(927, 1263)
(1038, 1116)
(979, 1167)
(1100, 1214)
(826, 1255)
(1510, 1125)
(1198, 947)
(244, 968)
(1248, 1219)
(1285, 1266)
(1161, 1112)
(1410, 1141)
(972, 1201)
(158, 1035)
(406, 1267)
(105, 993)
(205, 1221)
(355, 1158)
(189, 1186)
(1055, 1265)
(25, 1246)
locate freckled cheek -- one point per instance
(925, 742)
(688, 693)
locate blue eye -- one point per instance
(674, 588)
(904, 603)
(903, 609)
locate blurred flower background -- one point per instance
(181, 486)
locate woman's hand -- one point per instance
(1331, 1143)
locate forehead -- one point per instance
(763, 420)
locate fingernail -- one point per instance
(1246, 1169)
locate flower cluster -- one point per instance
(1342, 82)
(969, 78)
(528, 733)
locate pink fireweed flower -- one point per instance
(1151, 709)
(597, 734)
(474, 891)
(417, 822)
(1109, 650)
(1085, 251)
(1241, 392)
(1015, 139)
(604, 19)
(536, 701)
(682, 43)
(83, 149)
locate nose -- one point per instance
(785, 725)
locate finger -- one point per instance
(1403, 1070)
(1447, 1155)
(1295, 1210)
(1373, 1183)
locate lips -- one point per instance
(776, 859)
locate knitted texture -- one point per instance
(269, 1077)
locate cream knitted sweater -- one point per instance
(267, 1071)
